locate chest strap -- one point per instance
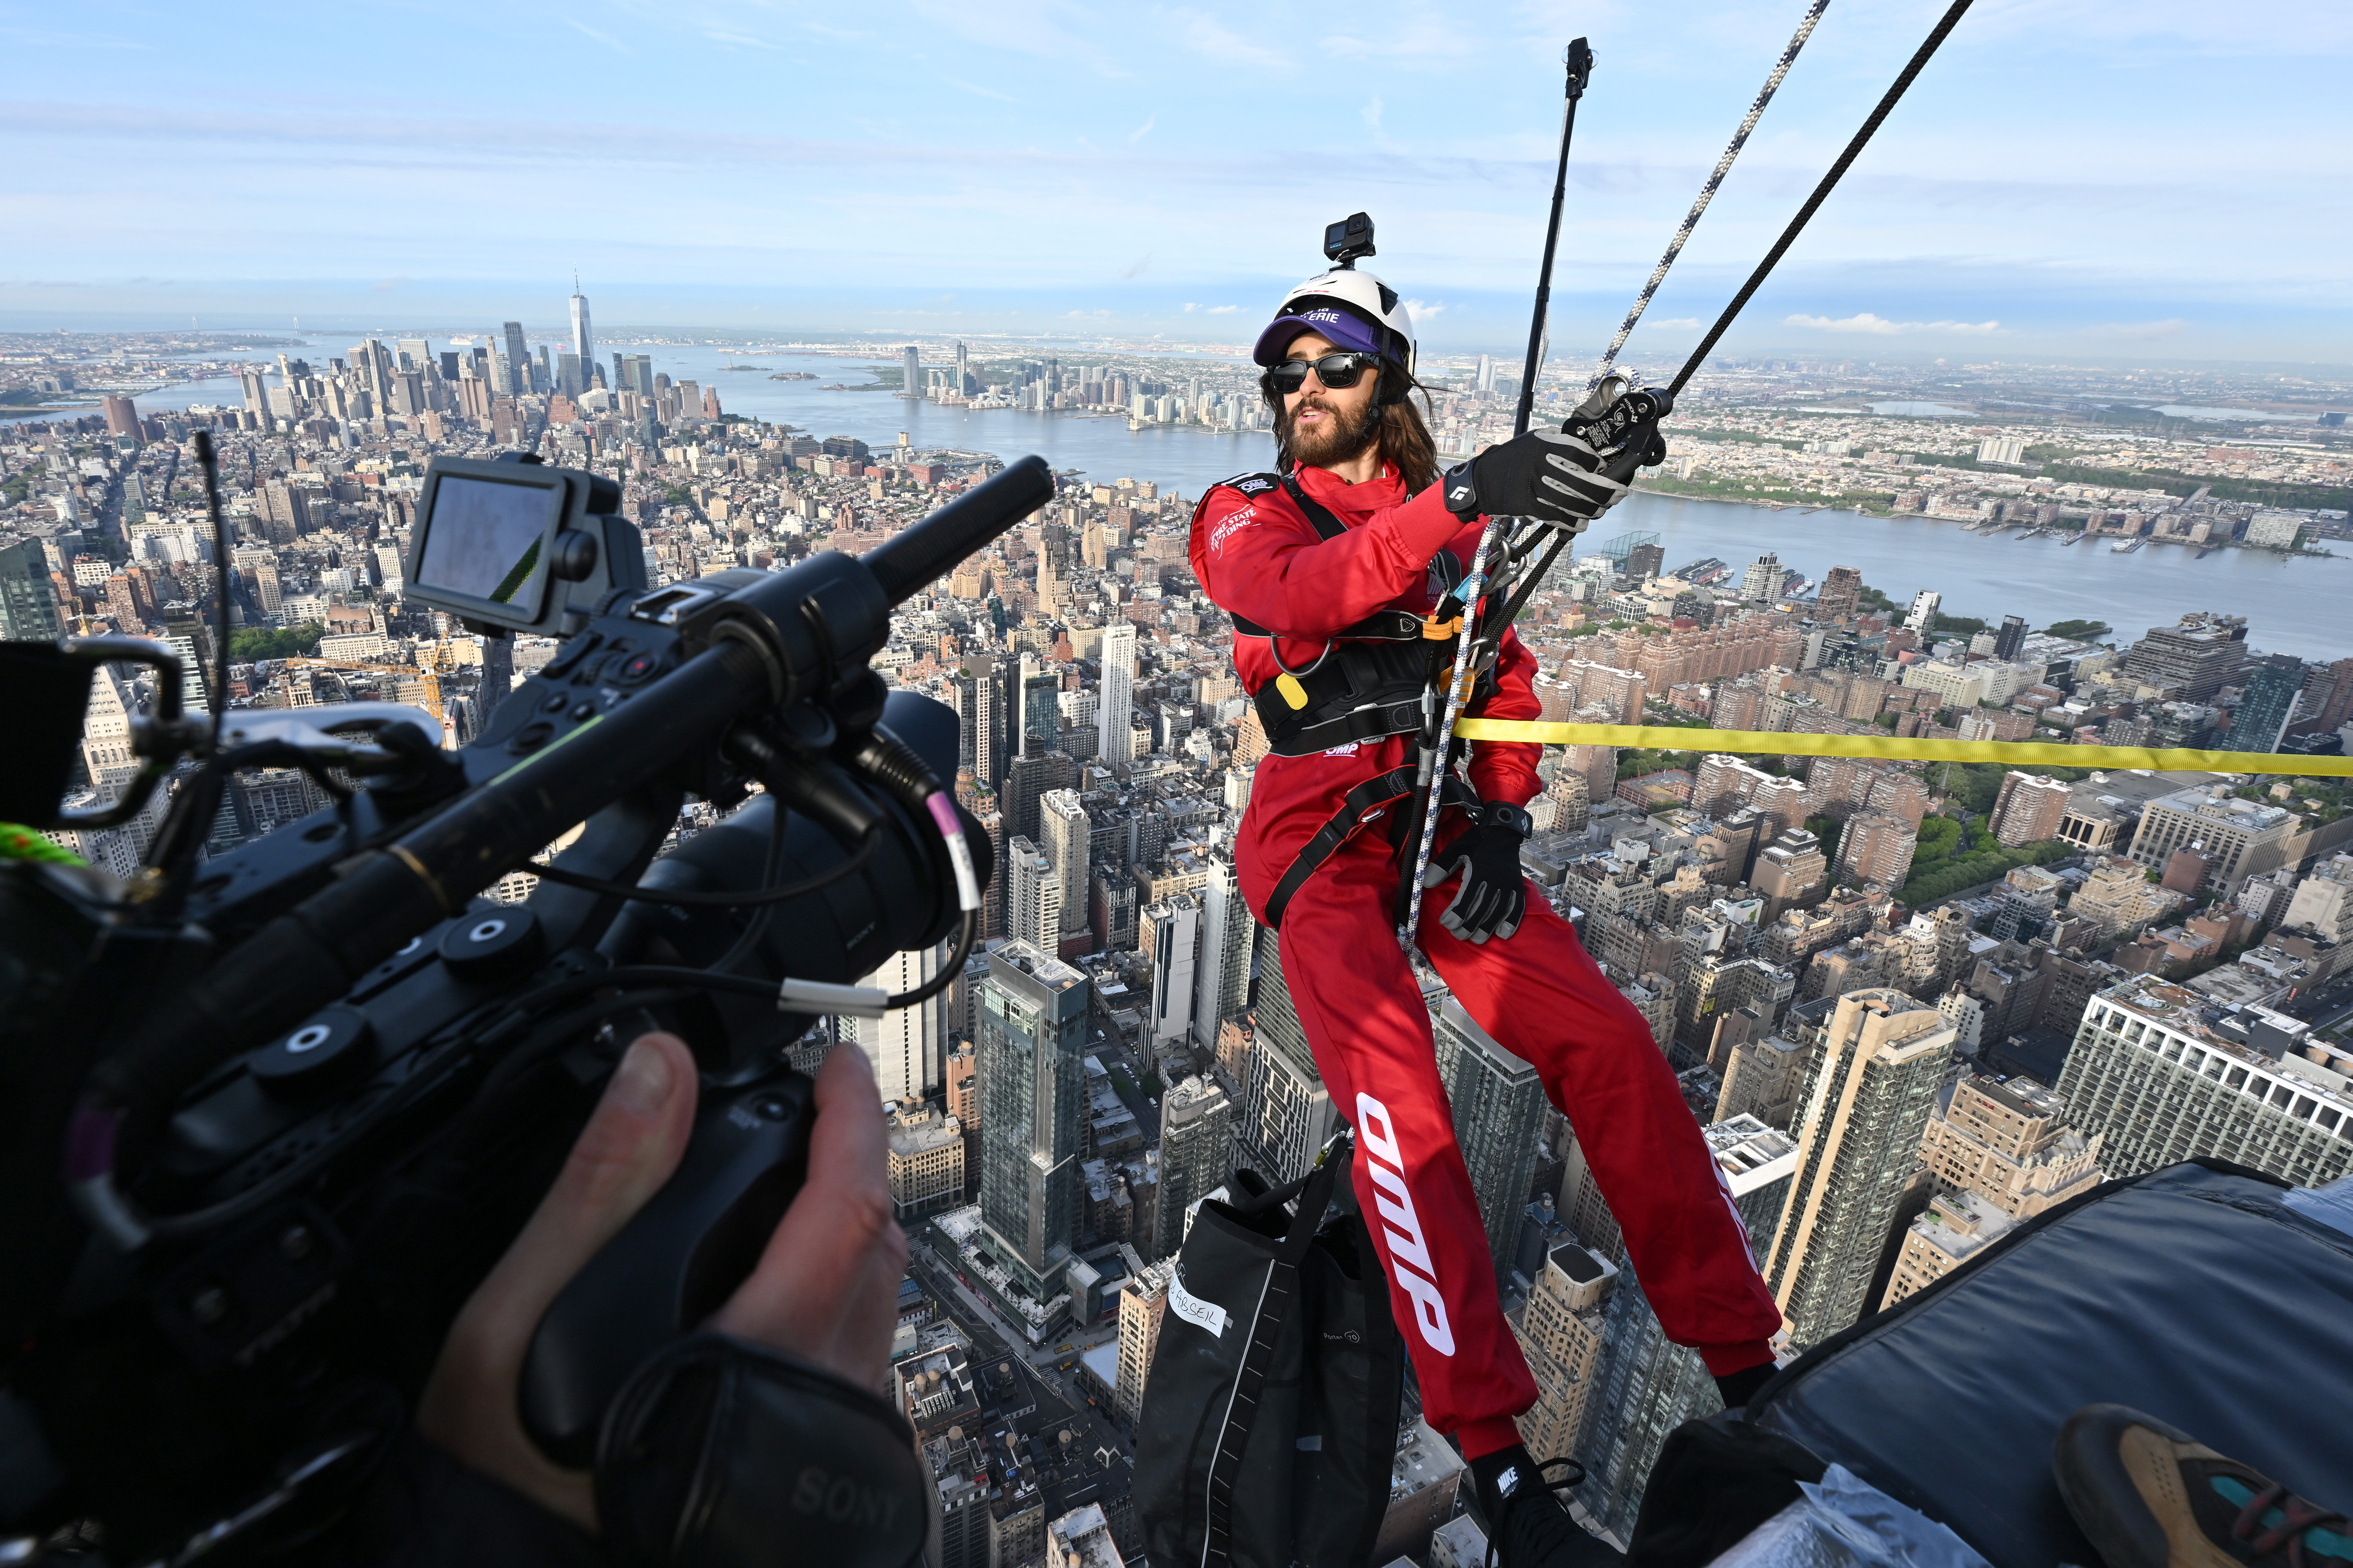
(1381, 625)
(1360, 803)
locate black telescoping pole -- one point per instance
(1578, 59)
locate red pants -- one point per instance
(1540, 994)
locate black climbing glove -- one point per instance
(1548, 475)
(1495, 892)
(1738, 1387)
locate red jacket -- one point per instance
(1260, 558)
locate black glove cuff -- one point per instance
(1512, 819)
(1461, 490)
(718, 1454)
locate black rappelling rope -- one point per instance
(1797, 225)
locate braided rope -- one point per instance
(1707, 191)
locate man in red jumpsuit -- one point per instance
(1353, 448)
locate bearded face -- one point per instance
(1349, 424)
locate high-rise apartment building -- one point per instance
(1066, 829)
(1221, 974)
(1876, 847)
(1868, 1095)
(1922, 616)
(1839, 596)
(2010, 637)
(1499, 1110)
(2267, 703)
(1286, 1112)
(1197, 1155)
(1028, 781)
(1763, 578)
(2162, 1074)
(122, 417)
(1644, 1387)
(2200, 656)
(1033, 1030)
(2028, 808)
(911, 371)
(1143, 1299)
(1176, 947)
(908, 1046)
(2007, 1141)
(1646, 561)
(1115, 714)
(1033, 896)
(1560, 1334)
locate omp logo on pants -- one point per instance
(1408, 1251)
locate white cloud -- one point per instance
(1372, 114)
(1879, 326)
(1141, 131)
(1190, 309)
(1135, 268)
(1223, 309)
(1675, 323)
(1419, 312)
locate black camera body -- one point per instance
(254, 1155)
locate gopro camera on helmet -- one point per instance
(1350, 238)
(514, 545)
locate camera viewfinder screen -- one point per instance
(488, 541)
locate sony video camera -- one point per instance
(267, 1118)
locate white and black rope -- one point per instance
(1708, 192)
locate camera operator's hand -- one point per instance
(823, 1290)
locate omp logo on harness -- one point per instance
(1386, 1167)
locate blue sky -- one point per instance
(2071, 178)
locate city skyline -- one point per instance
(1962, 228)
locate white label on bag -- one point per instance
(1193, 1310)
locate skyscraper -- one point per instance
(1286, 1112)
(584, 339)
(1175, 941)
(1221, 977)
(1067, 829)
(1197, 1148)
(1033, 896)
(1033, 1027)
(1868, 1093)
(1499, 1107)
(1922, 616)
(2201, 655)
(1841, 593)
(2010, 637)
(1643, 1385)
(518, 358)
(28, 605)
(1763, 578)
(911, 371)
(1114, 712)
(2162, 1074)
(963, 376)
(2267, 703)
(908, 1046)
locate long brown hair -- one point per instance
(1404, 438)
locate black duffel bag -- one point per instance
(1269, 1418)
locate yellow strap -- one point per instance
(2014, 753)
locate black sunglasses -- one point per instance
(1336, 370)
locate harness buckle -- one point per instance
(1435, 630)
(1287, 687)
